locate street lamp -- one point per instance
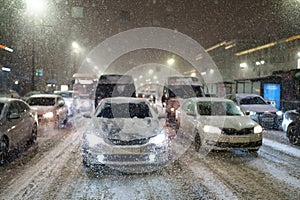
(34, 7)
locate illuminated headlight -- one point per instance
(258, 129)
(48, 115)
(159, 140)
(172, 109)
(252, 113)
(212, 129)
(279, 113)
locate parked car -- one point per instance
(16, 117)
(291, 125)
(259, 110)
(70, 98)
(125, 134)
(218, 124)
(51, 109)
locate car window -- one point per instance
(219, 108)
(252, 100)
(13, 108)
(41, 101)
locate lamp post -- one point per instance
(34, 8)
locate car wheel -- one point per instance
(197, 142)
(293, 134)
(3, 150)
(33, 134)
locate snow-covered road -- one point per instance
(52, 169)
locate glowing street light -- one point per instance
(35, 6)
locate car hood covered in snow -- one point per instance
(259, 108)
(235, 122)
(127, 129)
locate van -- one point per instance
(114, 85)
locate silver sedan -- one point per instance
(125, 134)
(18, 126)
(219, 124)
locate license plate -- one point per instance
(127, 151)
(267, 119)
(239, 140)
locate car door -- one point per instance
(188, 117)
(26, 119)
(14, 124)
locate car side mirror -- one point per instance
(161, 115)
(247, 113)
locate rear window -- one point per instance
(41, 101)
(252, 100)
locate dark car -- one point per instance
(291, 125)
(16, 117)
(258, 109)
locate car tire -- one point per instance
(33, 134)
(197, 142)
(3, 149)
(293, 134)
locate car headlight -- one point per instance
(212, 129)
(172, 109)
(159, 140)
(48, 115)
(258, 129)
(252, 113)
(279, 113)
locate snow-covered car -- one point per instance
(51, 109)
(291, 125)
(18, 125)
(265, 114)
(69, 98)
(125, 134)
(219, 124)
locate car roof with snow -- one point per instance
(215, 99)
(44, 96)
(124, 100)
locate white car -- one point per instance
(51, 109)
(265, 114)
(125, 134)
(218, 124)
(69, 98)
(18, 126)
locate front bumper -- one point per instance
(126, 158)
(232, 142)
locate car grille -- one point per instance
(232, 131)
(130, 142)
(127, 157)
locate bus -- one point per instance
(83, 85)
(177, 89)
(114, 85)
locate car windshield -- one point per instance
(125, 110)
(185, 91)
(218, 108)
(252, 100)
(41, 101)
